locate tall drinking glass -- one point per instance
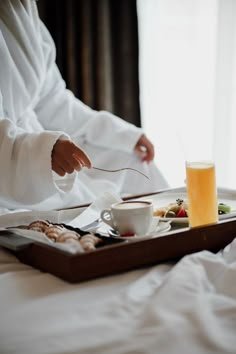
(201, 193)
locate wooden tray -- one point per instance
(124, 256)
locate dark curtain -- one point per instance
(97, 51)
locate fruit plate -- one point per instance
(227, 196)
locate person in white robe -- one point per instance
(49, 139)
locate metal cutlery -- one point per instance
(120, 169)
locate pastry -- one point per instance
(53, 232)
(39, 225)
(89, 242)
(67, 235)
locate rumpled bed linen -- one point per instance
(184, 307)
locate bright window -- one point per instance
(187, 83)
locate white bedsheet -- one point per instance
(188, 307)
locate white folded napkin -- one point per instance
(92, 213)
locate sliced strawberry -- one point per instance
(181, 213)
(128, 235)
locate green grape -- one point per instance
(223, 208)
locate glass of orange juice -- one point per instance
(201, 193)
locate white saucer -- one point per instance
(161, 228)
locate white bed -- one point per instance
(183, 307)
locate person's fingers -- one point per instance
(76, 163)
(67, 157)
(145, 149)
(141, 152)
(56, 168)
(82, 157)
(149, 154)
(149, 149)
(67, 166)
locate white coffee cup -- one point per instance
(129, 217)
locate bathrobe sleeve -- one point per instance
(59, 109)
(26, 173)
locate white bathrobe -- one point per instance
(36, 109)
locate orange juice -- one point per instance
(201, 192)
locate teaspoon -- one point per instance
(121, 169)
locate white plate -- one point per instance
(162, 199)
(175, 220)
(185, 220)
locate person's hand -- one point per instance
(67, 157)
(145, 149)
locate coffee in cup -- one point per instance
(129, 217)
